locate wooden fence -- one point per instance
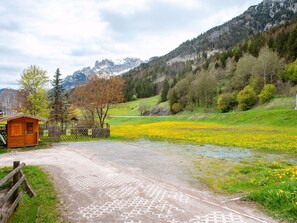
(10, 195)
(58, 134)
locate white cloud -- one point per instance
(72, 34)
(190, 4)
(124, 7)
(218, 18)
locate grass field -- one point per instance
(43, 207)
(253, 137)
(131, 108)
(273, 185)
(271, 130)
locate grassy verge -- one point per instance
(3, 150)
(273, 185)
(43, 207)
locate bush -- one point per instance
(134, 98)
(226, 102)
(246, 98)
(143, 107)
(190, 107)
(293, 91)
(176, 108)
(291, 72)
(267, 93)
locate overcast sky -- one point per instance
(72, 34)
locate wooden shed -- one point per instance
(22, 130)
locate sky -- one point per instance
(73, 34)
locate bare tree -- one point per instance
(107, 90)
(8, 101)
(82, 99)
(204, 88)
(269, 66)
(99, 94)
(244, 71)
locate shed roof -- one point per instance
(8, 118)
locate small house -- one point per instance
(22, 130)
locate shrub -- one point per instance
(143, 107)
(176, 108)
(246, 98)
(190, 107)
(291, 72)
(134, 98)
(226, 102)
(267, 93)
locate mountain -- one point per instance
(112, 67)
(7, 101)
(6, 93)
(258, 18)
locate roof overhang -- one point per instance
(12, 117)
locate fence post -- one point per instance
(16, 178)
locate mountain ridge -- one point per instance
(192, 54)
(105, 66)
(257, 18)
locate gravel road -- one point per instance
(107, 181)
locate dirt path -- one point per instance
(119, 182)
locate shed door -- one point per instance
(15, 135)
(30, 135)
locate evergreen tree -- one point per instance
(291, 46)
(270, 42)
(57, 100)
(165, 90)
(255, 45)
(173, 100)
(280, 43)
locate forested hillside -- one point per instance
(252, 71)
(215, 55)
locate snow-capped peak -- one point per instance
(105, 66)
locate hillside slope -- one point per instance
(258, 18)
(147, 79)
